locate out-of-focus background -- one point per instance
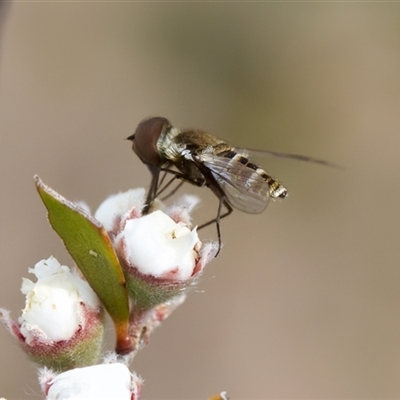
(304, 300)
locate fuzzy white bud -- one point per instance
(105, 381)
(53, 308)
(158, 246)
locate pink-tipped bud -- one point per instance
(160, 254)
(62, 317)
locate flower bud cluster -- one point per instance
(61, 327)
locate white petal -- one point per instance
(189, 201)
(53, 308)
(112, 381)
(117, 205)
(157, 246)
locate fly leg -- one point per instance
(222, 202)
(156, 182)
(166, 186)
(172, 192)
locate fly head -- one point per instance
(145, 138)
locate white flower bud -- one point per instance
(62, 324)
(53, 309)
(155, 245)
(105, 381)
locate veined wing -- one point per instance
(244, 188)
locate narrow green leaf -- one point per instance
(90, 246)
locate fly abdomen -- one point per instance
(276, 189)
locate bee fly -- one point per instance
(202, 159)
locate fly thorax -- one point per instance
(208, 150)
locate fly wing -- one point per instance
(243, 187)
(297, 157)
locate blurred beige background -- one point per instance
(304, 300)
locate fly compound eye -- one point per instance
(145, 139)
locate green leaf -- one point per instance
(90, 246)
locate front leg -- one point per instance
(155, 191)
